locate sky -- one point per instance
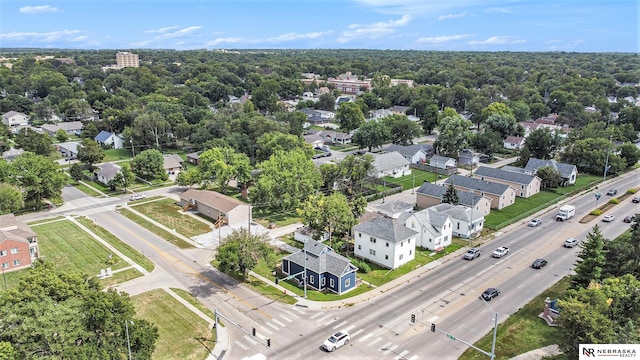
(440, 25)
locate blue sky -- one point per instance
(444, 25)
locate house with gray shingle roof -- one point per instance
(384, 241)
(526, 185)
(110, 139)
(466, 223)
(70, 127)
(394, 209)
(434, 228)
(389, 164)
(325, 269)
(501, 195)
(415, 154)
(15, 118)
(107, 172)
(568, 172)
(442, 162)
(217, 206)
(429, 195)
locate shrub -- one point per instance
(631, 191)
(596, 212)
(362, 265)
(614, 201)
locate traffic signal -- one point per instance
(413, 318)
(253, 331)
(268, 342)
(433, 327)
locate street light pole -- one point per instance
(126, 326)
(606, 165)
(495, 329)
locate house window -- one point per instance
(409, 241)
(373, 240)
(401, 255)
(3, 252)
(521, 186)
(387, 244)
(401, 243)
(413, 225)
(458, 226)
(359, 247)
(324, 281)
(372, 252)
(311, 279)
(332, 283)
(359, 234)
(347, 282)
(410, 252)
(16, 262)
(446, 238)
(14, 250)
(386, 257)
(5, 265)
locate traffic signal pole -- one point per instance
(217, 314)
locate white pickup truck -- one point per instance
(500, 252)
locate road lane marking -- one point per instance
(285, 318)
(414, 357)
(241, 345)
(374, 341)
(278, 322)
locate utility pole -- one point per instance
(606, 165)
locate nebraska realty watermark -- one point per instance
(591, 351)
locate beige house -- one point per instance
(526, 185)
(501, 195)
(222, 209)
(429, 195)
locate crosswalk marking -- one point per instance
(330, 321)
(291, 314)
(366, 337)
(286, 318)
(316, 315)
(277, 322)
(250, 339)
(414, 357)
(339, 325)
(323, 318)
(273, 326)
(348, 328)
(401, 355)
(374, 341)
(241, 345)
(301, 311)
(265, 330)
(385, 348)
(356, 333)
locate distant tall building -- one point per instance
(126, 59)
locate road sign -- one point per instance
(451, 337)
(598, 195)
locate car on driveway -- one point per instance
(472, 254)
(612, 192)
(608, 218)
(535, 222)
(336, 340)
(539, 264)
(490, 293)
(636, 200)
(570, 242)
(628, 219)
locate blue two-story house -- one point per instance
(326, 270)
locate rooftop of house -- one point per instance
(385, 229)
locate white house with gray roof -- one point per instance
(389, 164)
(568, 172)
(435, 229)
(15, 119)
(394, 209)
(526, 185)
(415, 154)
(442, 162)
(384, 241)
(501, 195)
(466, 223)
(107, 172)
(429, 195)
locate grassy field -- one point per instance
(522, 208)
(154, 229)
(117, 154)
(416, 179)
(165, 212)
(193, 301)
(183, 335)
(522, 331)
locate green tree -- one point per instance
(7, 352)
(487, 142)
(284, 180)
(429, 118)
(351, 174)
(451, 195)
(61, 135)
(332, 214)
(189, 177)
(221, 165)
(591, 260)
(90, 152)
(494, 108)
(326, 101)
(454, 135)
(75, 171)
(68, 315)
(349, 116)
(240, 252)
(543, 143)
(402, 130)
(11, 199)
(371, 134)
(39, 177)
(591, 155)
(33, 141)
(549, 177)
(149, 165)
(267, 144)
(151, 128)
(123, 179)
(504, 125)
(629, 153)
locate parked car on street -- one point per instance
(490, 293)
(135, 197)
(535, 222)
(608, 218)
(570, 242)
(336, 340)
(472, 254)
(612, 192)
(539, 264)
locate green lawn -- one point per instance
(155, 229)
(165, 212)
(194, 301)
(87, 190)
(117, 154)
(523, 331)
(522, 208)
(182, 334)
(416, 179)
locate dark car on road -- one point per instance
(490, 293)
(628, 219)
(539, 264)
(636, 200)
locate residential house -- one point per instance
(429, 195)
(321, 268)
(315, 140)
(526, 185)
(384, 241)
(335, 137)
(399, 110)
(109, 139)
(390, 164)
(12, 154)
(107, 172)
(394, 209)
(18, 244)
(435, 229)
(70, 127)
(529, 127)
(501, 195)
(513, 142)
(194, 158)
(219, 207)
(172, 163)
(13, 118)
(318, 117)
(568, 172)
(466, 223)
(305, 233)
(69, 149)
(415, 154)
(442, 162)
(468, 157)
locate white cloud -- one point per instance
(561, 45)
(498, 40)
(228, 40)
(162, 30)
(63, 35)
(42, 9)
(295, 36)
(452, 16)
(373, 31)
(180, 33)
(442, 39)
